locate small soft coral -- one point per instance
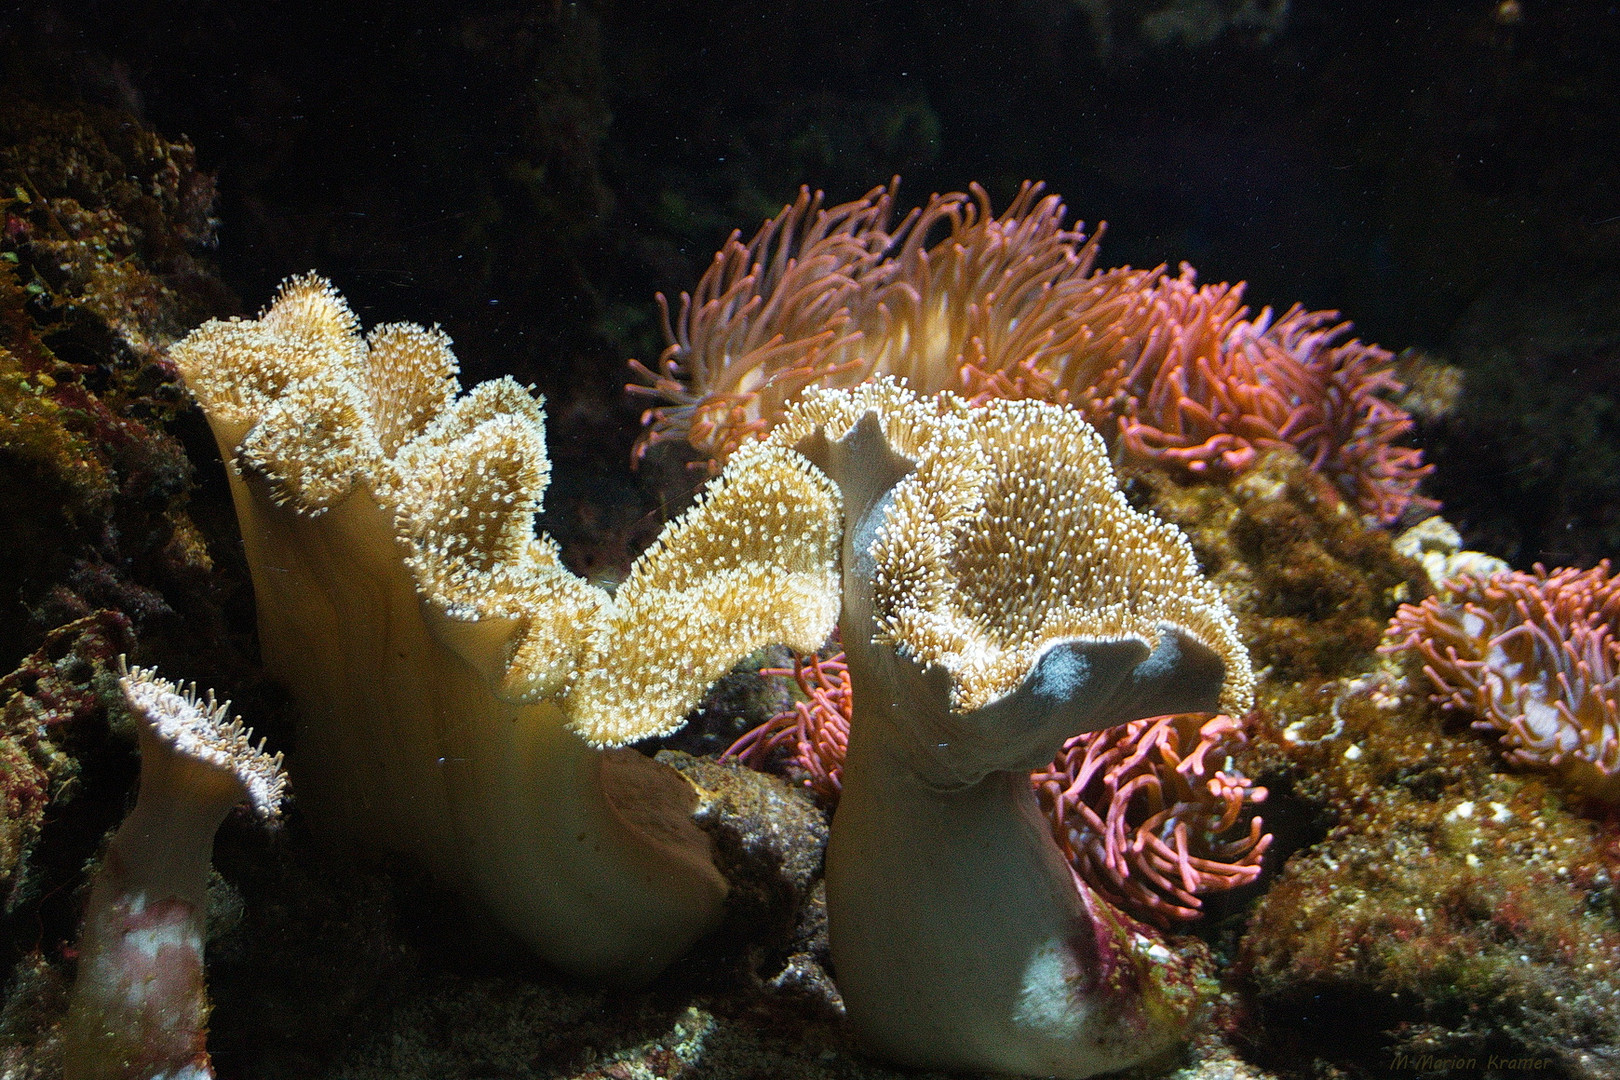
(139, 1006)
(1533, 656)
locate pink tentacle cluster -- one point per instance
(814, 734)
(955, 297)
(1198, 398)
(1535, 657)
(1213, 389)
(1147, 818)
(768, 318)
(1150, 813)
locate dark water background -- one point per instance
(528, 174)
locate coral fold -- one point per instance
(456, 683)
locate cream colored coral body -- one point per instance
(999, 597)
(590, 856)
(455, 682)
(368, 748)
(406, 748)
(959, 938)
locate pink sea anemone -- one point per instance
(1145, 811)
(956, 297)
(1212, 389)
(1150, 818)
(813, 736)
(948, 298)
(1533, 656)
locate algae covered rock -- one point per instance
(53, 688)
(103, 230)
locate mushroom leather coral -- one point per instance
(999, 597)
(456, 684)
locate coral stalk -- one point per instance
(139, 1006)
(1143, 811)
